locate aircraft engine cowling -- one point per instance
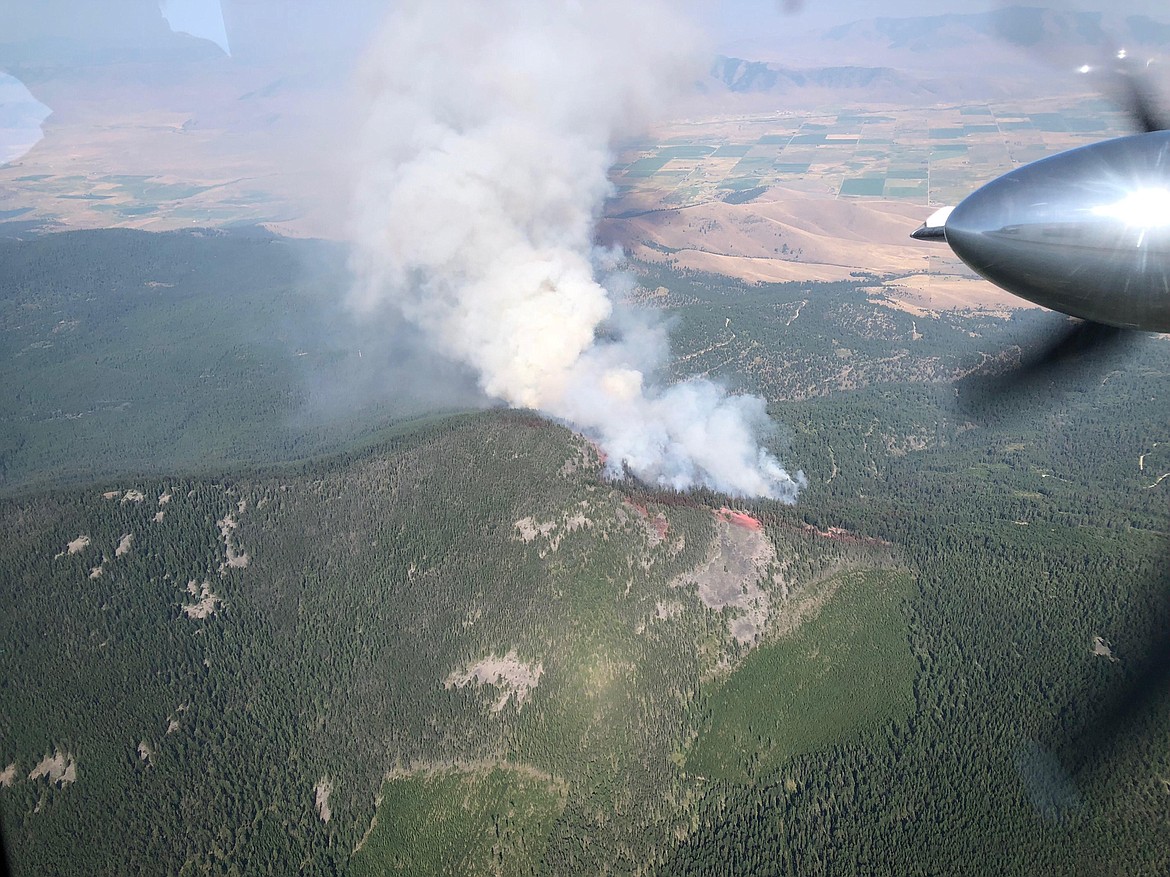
(1085, 232)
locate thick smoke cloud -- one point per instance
(481, 175)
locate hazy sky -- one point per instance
(265, 30)
(199, 18)
(736, 19)
(320, 42)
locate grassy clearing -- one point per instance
(848, 669)
(491, 820)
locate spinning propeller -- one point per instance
(1085, 232)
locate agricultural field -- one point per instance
(927, 155)
(134, 145)
(825, 195)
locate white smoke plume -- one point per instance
(482, 172)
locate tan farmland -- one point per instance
(789, 195)
(830, 194)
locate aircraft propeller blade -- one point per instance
(1064, 39)
(1132, 91)
(1073, 39)
(1063, 358)
(1086, 347)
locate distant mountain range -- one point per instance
(754, 81)
(753, 76)
(951, 56)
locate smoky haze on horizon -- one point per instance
(482, 170)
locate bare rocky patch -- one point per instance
(134, 496)
(530, 528)
(577, 521)
(235, 559)
(739, 556)
(206, 602)
(124, 544)
(173, 718)
(59, 768)
(321, 792)
(555, 530)
(8, 776)
(145, 753)
(513, 677)
(78, 545)
(1102, 649)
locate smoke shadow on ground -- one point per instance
(356, 367)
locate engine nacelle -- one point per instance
(1085, 232)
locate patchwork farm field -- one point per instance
(828, 194)
(927, 155)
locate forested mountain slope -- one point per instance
(205, 655)
(459, 646)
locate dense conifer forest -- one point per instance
(261, 638)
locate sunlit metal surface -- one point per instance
(1085, 232)
(934, 229)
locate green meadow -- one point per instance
(848, 669)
